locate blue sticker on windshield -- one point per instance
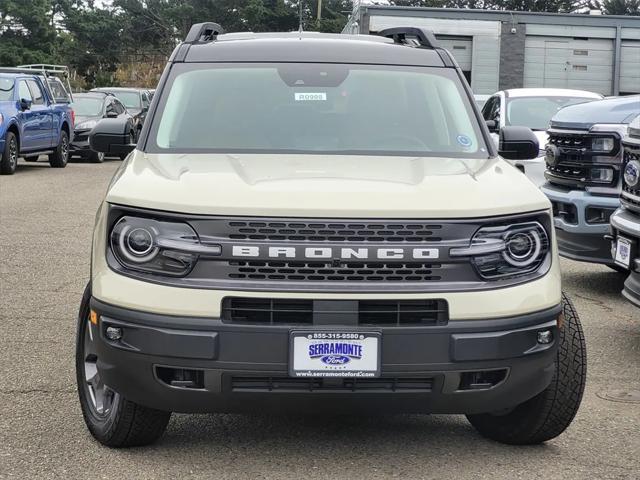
(464, 141)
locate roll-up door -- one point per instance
(461, 49)
(569, 62)
(630, 67)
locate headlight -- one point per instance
(602, 144)
(507, 250)
(88, 125)
(604, 174)
(632, 173)
(153, 246)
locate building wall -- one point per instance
(512, 55)
(485, 37)
(535, 54)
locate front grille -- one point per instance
(326, 272)
(274, 311)
(630, 196)
(262, 254)
(577, 165)
(341, 385)
(577, 142)
(334, 232)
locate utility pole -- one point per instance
(319, 10)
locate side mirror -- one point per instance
(492, 125)
(112, 114)
(25, 104)
(111, 136)
(518, 143)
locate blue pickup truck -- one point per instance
(36, 118)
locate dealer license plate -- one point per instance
(623, 252)
(334, 354)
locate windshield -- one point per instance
(536, 112)
(6, 89)
(316, 108)
(87, 107)
(130, 99)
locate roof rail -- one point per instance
(425, 38)
(203, 33)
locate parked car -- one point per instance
(584, 174)
(625, 222)
(136, 100)
(32, 121)
(340, 235)
(481, 99)
(89, 109)
(532, 108)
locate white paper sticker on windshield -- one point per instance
(310, 97)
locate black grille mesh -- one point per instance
(326, 272)
(333, 232)
(276, 311)
(270, 384)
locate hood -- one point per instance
(324, 186)
(609, 111)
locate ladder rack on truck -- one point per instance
(61, 72)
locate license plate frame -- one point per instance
(362, 363)
(623, 258)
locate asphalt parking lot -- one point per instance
(46, 218)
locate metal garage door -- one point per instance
(630, 67)
(566, 62)
(460, 48)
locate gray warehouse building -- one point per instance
(501, 49)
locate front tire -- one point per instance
(549, 413)
(112, 419)
(60, 156)
(95, 157)
(9, 159)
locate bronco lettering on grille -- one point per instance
(331, 252)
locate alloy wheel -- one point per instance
(13, 153)
(102, 397)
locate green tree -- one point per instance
(27, 31)
(621, 7)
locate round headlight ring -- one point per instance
(533, 242)
(126, 242)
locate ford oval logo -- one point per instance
(632, 173)
(335, 359)
(551, 154)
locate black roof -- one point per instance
(310, 47)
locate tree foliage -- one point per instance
(98, 38)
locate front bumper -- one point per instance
(577, 238)
(80, 143)
(245, 367)
(626, 224)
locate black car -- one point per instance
(89, 109)
(136, 100)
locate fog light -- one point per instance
(115, 333)
(545, 337)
